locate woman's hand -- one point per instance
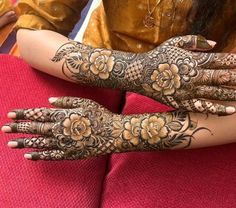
(178, 77)
(172, 73)
(82, 128)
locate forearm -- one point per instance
(56, 55)
(175, 130)
(168, 74)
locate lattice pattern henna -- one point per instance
(21, 127)
(133, 71)
(37, 114)
(38, 142)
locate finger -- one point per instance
(216, 77)
(191, 42)
(216, 60)
(214, 93)
(72, 102)
(29, 128)
(34, 142)
(204, 106)
(38, 114)
(34, 114)
(67, 102)
(46, 155)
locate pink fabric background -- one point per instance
(203, 178)
(38, 184)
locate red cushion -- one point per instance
(45, 184)
(203, 178)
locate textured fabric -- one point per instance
(203, 178)
(56, 15)
(5, 5)
(45, 184)
(7, 46)
(119, 24)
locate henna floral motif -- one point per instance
(76, 134)
(166, 79)
(132, 130)
(102, 63)
(76, 127)
(154, 129)
(171, 73)
(187, 68)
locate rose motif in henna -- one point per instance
(166, 79)
(102, 63)
(76, 127)
(187, 68)
(132, 131)
(154, 129)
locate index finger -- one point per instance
(216, 60)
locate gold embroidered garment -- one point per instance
(5, 5)
(119, 24)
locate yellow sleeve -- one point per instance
(56, 15)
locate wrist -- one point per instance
(159, 131)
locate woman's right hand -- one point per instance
(175, 75)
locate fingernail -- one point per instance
(12, 12)
(52, 99)
(28, 156)
(230, 110)
(6, 129)
(11, 115)
(12, 144)
(211, 43)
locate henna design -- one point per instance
(36, 142)
(87, 129)
(32, 128)
(169, 74)
(98, 67)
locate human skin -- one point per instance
(170, 74)
(7, 18)
(73, 132)
(80, 128)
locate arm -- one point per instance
(169, 74)
(83, 129)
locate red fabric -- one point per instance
(203, 178)
(137, 104)
(45, 184)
